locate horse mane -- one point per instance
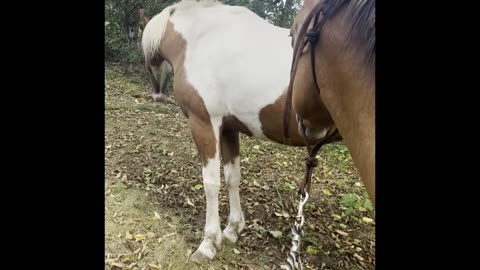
(155, 29)
(360, 15)
(362, 32)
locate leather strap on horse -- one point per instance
(319, 15)
(311, 161)
(312, 38)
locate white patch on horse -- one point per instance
(236, 220)
(211, 185)
(227, 69)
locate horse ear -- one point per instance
(143, 19)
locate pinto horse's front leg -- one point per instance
(206, 137)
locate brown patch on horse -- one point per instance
(204, 138)
(230, 142)
(231, 122)
(272, 123)
(187, 96)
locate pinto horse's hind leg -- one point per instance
(206, 137)
(230, 141)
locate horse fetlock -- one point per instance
(234, 228)
(230, 233)
(215, 236)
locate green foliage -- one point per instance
(278, 12)
(352, 202)
(119, 15)
(122, 14)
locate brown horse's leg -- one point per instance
(206, 137)
(230, 141)
(159, 81)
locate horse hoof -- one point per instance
(199, 257)
(233, 229)
(159, 97)
(230, 234)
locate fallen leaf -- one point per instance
(367, 220)
(139, 237)
(121, 265)
(336, 217)
(284, 214)
(327, 192)
(358, 257)
(154, 266)
(157, 216)
(236, 251)
(311, 250)
(276, 234)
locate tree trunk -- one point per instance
(287, 8)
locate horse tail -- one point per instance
(154, 31)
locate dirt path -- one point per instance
(152, 166)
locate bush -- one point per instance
(119, 16)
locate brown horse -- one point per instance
(337, 72)
(231, 71)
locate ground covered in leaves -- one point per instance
(155, 203)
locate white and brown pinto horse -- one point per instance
(231, 72)
(337, 72)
